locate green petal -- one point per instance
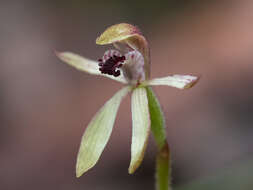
(97, 133)
(157, 118)
(86, 65)
(178, 81)
(141, 127)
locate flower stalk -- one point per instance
(163, 169)
(163, 159)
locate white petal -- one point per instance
(97, 133)
(141, 127)
(86, 65)
(178, 81)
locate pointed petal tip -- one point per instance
(78, 175)
(64, 56)
(131, 170)
(193, 82)
(59, 54)
(79, 172)
(134, 166)
(56, 52)
(81, 168)
(136, 162)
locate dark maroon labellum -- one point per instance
(111, 65)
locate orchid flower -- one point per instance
(128, 63)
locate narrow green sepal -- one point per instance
(157, 118)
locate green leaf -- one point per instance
(98, 133)
(141, 127)
(157, 118)
(85, 65)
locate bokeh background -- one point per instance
(46, 105)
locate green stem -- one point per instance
(163, 169)
(163, 162)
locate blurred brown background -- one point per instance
(46, 105)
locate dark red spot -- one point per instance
(111, 64)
